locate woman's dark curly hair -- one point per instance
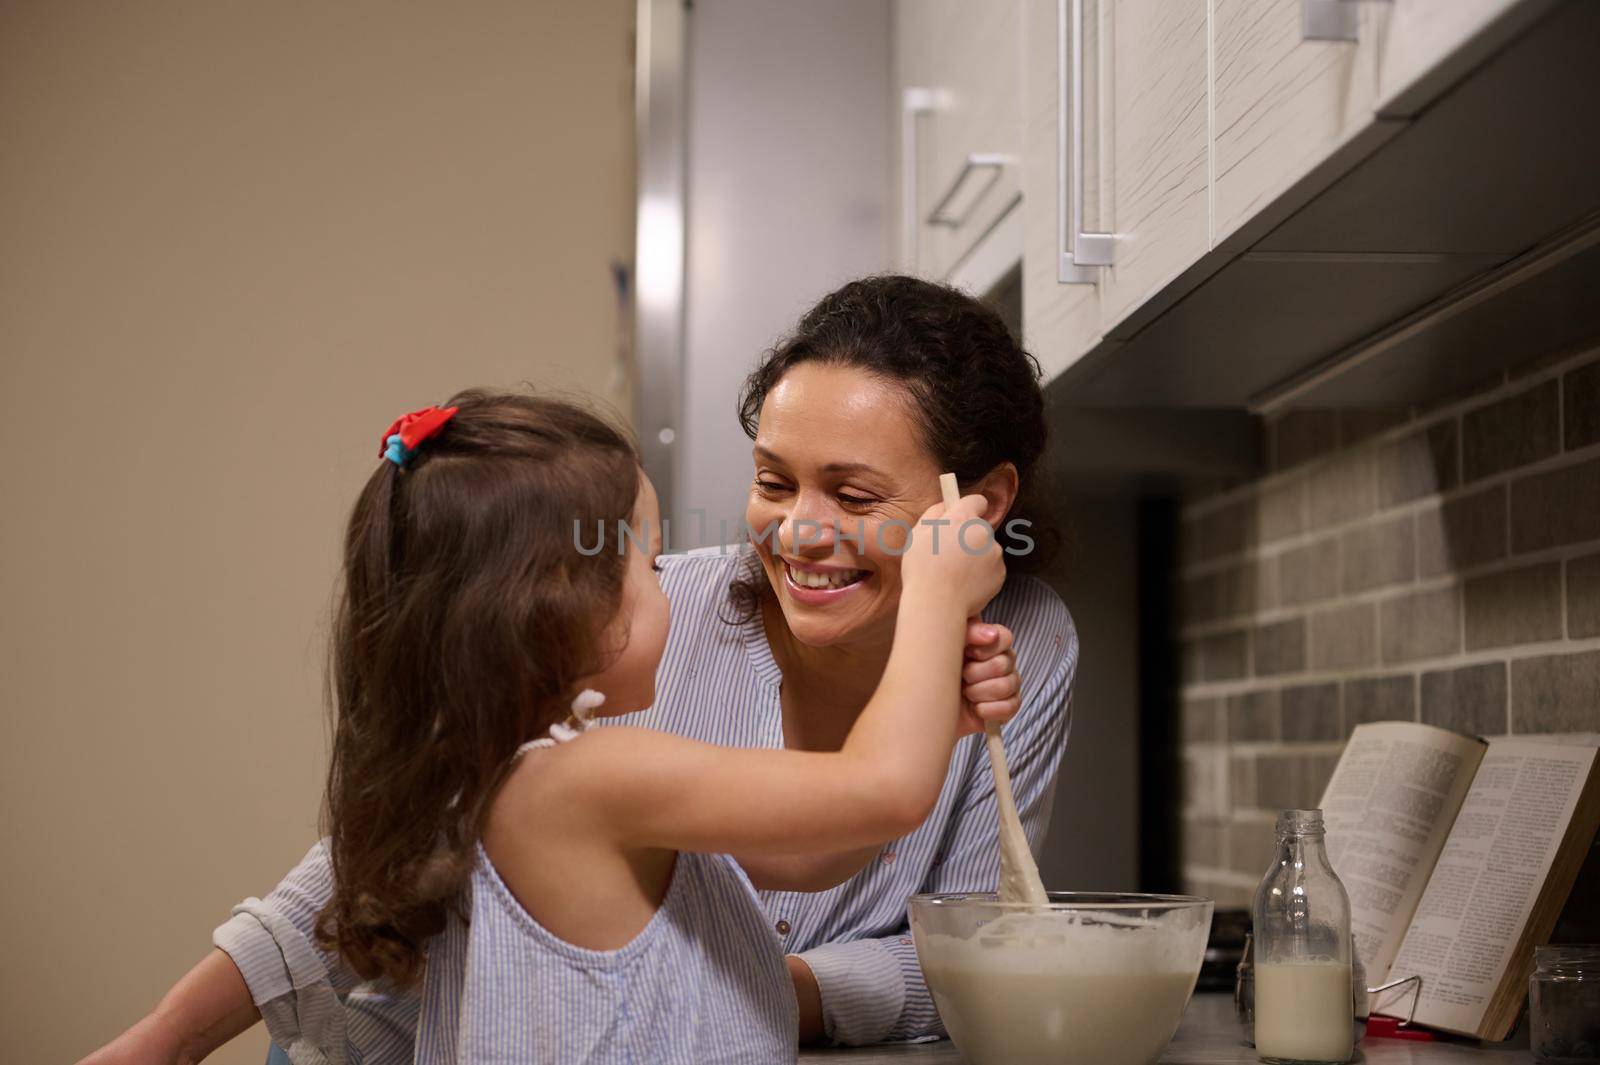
(976, 392)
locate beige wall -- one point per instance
(235, 241)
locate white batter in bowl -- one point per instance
(1088, 980)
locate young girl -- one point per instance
(513, 887)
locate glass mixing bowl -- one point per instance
(1092, 979)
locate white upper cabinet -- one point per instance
(1281, 103)
(1429, 43)
(1059, 321)
(1155, 139)
(958, 69)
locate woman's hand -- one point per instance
(991, 690)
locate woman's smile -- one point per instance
(818, 584)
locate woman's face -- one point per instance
(841, 474)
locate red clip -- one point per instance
(416, 427)
(1379, 1027)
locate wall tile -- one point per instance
(1218, 532)
(1583, 596)
(1310, 712)
(1281, 510)
(1378, 699)
(1343, 489)
(1515, 606)
(1581, 395)
(1205, 784)
(1267, 596)
(1197, 599)
(1223, 657)
(1470, 700)
(1379, 554)
(1344, 637)
(1556, 508)
(1420, 625)
(1280, 781)
(1309, 573)
(1242, 781)
(1203, 843)
(1511, 432)
(1319, 771)
(1204, 721)
(1251, 846)
(1418, 465)
(1358, 423)
(1465, 532)
(1302, 435)
(1253, 716)
(1556, 693)
(1281, 647)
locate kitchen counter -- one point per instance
(1209, 1035)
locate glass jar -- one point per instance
(1564, 1004)
(1304, 1005)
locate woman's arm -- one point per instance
(206, 1008)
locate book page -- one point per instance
(1487, 879)
(1388, 809)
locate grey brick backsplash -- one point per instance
(1583, 596)
(1465, 532)
(1378, 699)
(1420, 625)
(1379, 554)
(1281, 647)
(1223, 530)
(1302, 435)
(1358, 423)
(1251, 847)
(1253, 716)
(1470, 700)
(1204, 721)
(1418, 465)
(1310, 573)
(1242, 781)
(1556, 693)
(1343, 489)
(1440, 566)
(1280, 781)
(1223, 657)
(1310, 712)
(1514, 606)
(1511, 432)
(1281, 510)
(1581, 398)
(1344, 637)
(1556, 508)
(1203, 842)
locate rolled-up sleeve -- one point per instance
(872, 989)
(294, 983)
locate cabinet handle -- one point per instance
(989, 161)
(1081, 252)
(1330, 20)
(915, 102)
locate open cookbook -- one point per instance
(1458, 854)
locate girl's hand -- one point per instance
(954, 554)
(991, 690)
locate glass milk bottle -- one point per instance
(1304, 1009)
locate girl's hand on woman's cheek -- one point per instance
(990, 687)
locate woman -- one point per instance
(885, 384)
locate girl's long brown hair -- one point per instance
(467, 616)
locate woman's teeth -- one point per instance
(832, 578)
